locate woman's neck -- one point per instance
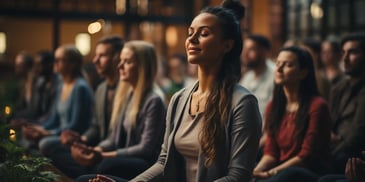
(206, 79)
(291, 94)
(68, 79)
(332, 72)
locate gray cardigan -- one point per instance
(237, 155)
(144, 140)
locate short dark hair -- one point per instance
(261, 40)
(114, 40)
(181, 57)
(28, 60)
(313, 44)
(46, 57)
(359, 36)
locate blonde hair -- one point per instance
(145, 54)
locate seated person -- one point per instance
(73, 105)
(298, 123)
(347, 104)
(137, 120)
(354, 172)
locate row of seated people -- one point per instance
(129, 126)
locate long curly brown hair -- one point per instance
(220, 97)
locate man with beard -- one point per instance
(347, 104)
(259, 77)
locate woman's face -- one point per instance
(205, 44)
(288, 71)
(328, 56)
(128, 66)
(61, 64)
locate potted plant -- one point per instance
(17, 165)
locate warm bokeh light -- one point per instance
(12, 135)
(7, 110)
(120, 7)
(82, 42)
(316, 11)
(171, 36)
(2, 42)
(94, 27)
(142, 7)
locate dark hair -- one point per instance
(360, 37)
(181, 57)
(307, 90)
(28, 60)
(261, 40)
(315, 48)
(335, 45)
(236, 7)
(116, 42)
(46, 57)
(74, 57)
(220, 97)
(313, 44)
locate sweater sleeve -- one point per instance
(318, 133)
(271, 147)
(245, 136)
(152, 116)
(52, 122)
(81, 112)
(155, 172)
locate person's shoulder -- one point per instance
(155, 95)
(239, 93)
(81, 84)
(318, 103)
(319, 100)
(342, 84)
(184, 92)
(240, 90)
(101, 86)
(271, 65)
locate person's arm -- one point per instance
(352, 141)
(266, 163)
(261, 171)
(245, 136)
(93, 133)
(108, 144)
(294, 161)
(53, 120)
(154, 173)
(152, 114)
(82, 106)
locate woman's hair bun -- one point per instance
(235, 6)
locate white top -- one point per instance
(262, 86)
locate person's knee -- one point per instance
(47, 145)
(296, 174)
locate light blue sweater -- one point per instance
(78, 109)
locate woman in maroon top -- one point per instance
(298, 123)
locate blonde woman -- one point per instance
(137, 119)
